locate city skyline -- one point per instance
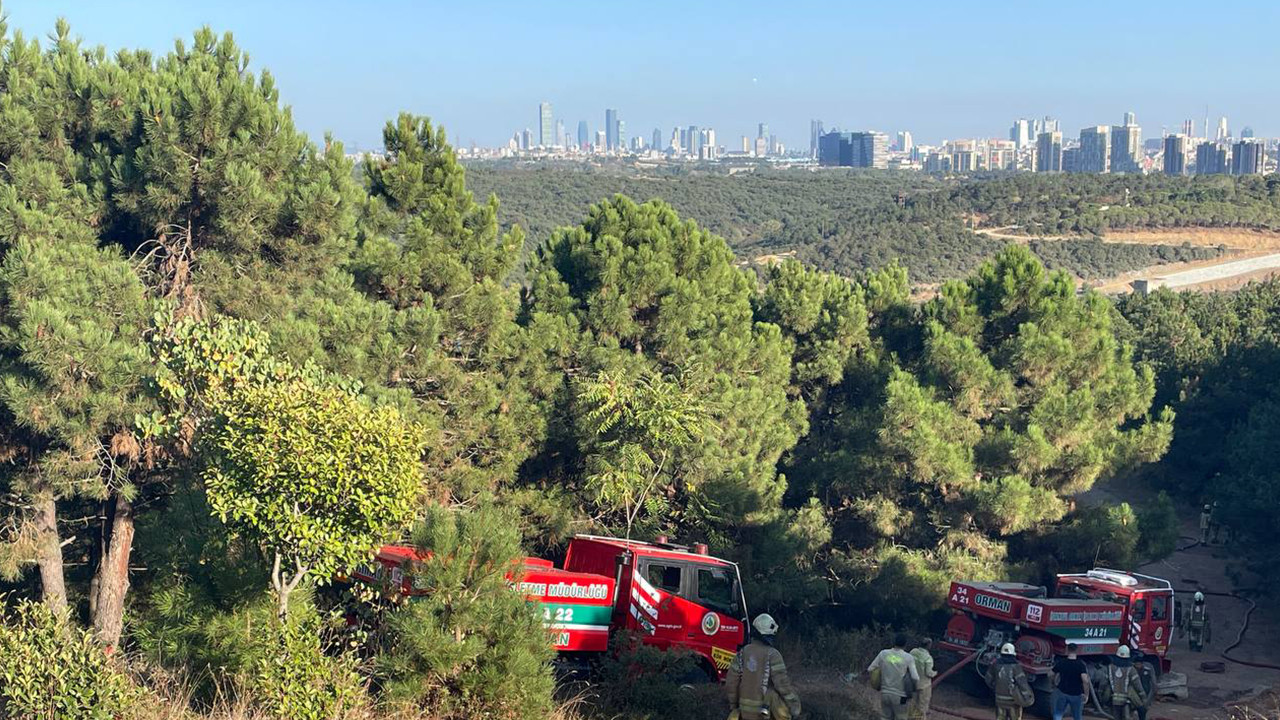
(348, 72)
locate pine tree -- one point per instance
(635, 290)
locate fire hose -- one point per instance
(1225, 654)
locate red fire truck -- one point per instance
(668, 595)
(1098, 610)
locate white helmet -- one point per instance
(765, 624)
(1123, 652)
(1199, 597)
(1008, 649)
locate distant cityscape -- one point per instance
(1031, 145)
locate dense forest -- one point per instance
(849, 221)
(232, 366)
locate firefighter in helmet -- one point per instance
(1195, 623)
(1206, 519)
(1013, 690)
(1127, 693)
(758, 684)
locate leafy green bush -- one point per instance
(294, 679)
(1158, 528)
(50, 669)
(641, 681)
(471, 646)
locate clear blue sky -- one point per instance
(943, 69)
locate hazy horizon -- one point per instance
(935, 69)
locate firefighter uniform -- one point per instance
(1013, 690)
(1127, 693)
(1206, 518)
(757, 684)
(1196, 622)
(924, 689)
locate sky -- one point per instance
(942, 70)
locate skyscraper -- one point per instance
(854, 149)
(1223, 132)
(621, 135)
(762, 131)
(708, 144)
(1211, 158)
(1095, 150)
(1189, 127)
(1020, 133)
(695, 141)
(762, 146)
(905, 143)
(602, 140)
(561, 140)
(1126, 145)
(1246, 133)
(584, 135)
(746, 144)
(657, 139)
(1049, 151)
(1175, 154)
(546, 128)
(815, 132)
(1247, 157)
(526, 139)
(610, 129)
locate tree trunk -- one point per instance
(113, 573)
(49, 555)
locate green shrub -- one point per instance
(293, 678)
(50, 669)
(471, 647)
(640, 681)
(1158, 528)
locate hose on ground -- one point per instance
(1225, 654)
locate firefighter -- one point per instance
(896, 670)
(1013, 691)
(924, 689)
(1148, 675)
(758, 684)
(1206, 518)
(1127, 694)
(1196, 623)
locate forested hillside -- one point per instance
(232, 366)
(847, 221)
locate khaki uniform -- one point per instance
(924, 689)
(758, 679)
(1197, 624)
(1127, 694)
(1011, 684)
(895, 665)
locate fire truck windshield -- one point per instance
(717, 590)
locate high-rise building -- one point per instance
(905, 142)
(1049, 125)
(1189, 127)
(695, 141)
(746, 144)
(1049, 151)
(1175, 154)
(775, 147)
(815, 132)
(546, 127)
(561, 141)
(709, 150)
(610, 129)
(526, 139)
(762, 130)
(1247, 157)
(1095, 150)
(1223, 132)
(622, 134)
(1246, 133)
(1071, 160)
(657, 139)
(1211, 158)
(1020, 133)
(584, 135)
(762, 146)
(854, 149)
(1126, 145)
(602, 140)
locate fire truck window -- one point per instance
(715, 590)
(664, 577)
(1140, 609)
(1159, 607)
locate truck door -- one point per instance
(722, 628)
(659, 603)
